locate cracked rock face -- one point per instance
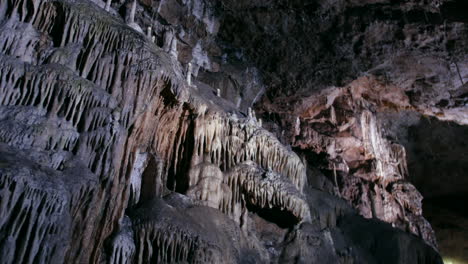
(222, 131)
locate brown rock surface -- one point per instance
(128, 131)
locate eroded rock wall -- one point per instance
(128, 136)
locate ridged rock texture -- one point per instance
(194, 131)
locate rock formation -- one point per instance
(124, 145)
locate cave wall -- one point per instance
(128, 132)
(435, 152)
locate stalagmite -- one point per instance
(148, 32)
(218, 92)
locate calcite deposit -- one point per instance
(193, 131)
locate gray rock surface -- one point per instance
(128, 131)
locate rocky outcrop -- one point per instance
(356, 66)
(128, 135)
(365, 168)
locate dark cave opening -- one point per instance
(168, 96)
(282, 218)
(177, 179)
(437, 156)
(448, 216)
(455, 10)
(437, 153)
(150, 180)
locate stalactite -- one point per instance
(37, 205)
(82, 108)
(189, 74)
(264, 189)
(123, 245)
(139, 164)
(108, 5)
(180, 239)
(229, 142)
(132, 12)
(390, 158)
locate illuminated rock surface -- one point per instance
(217, 132)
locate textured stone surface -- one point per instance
(128, 132)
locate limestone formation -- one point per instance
(361, 157)
(116, 145)
(108, 5)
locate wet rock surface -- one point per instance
(222, 131)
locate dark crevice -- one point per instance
(149, 180)
(57, 30)
(169, 98)
(455, 10)
(282, 218)
(178, 173)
